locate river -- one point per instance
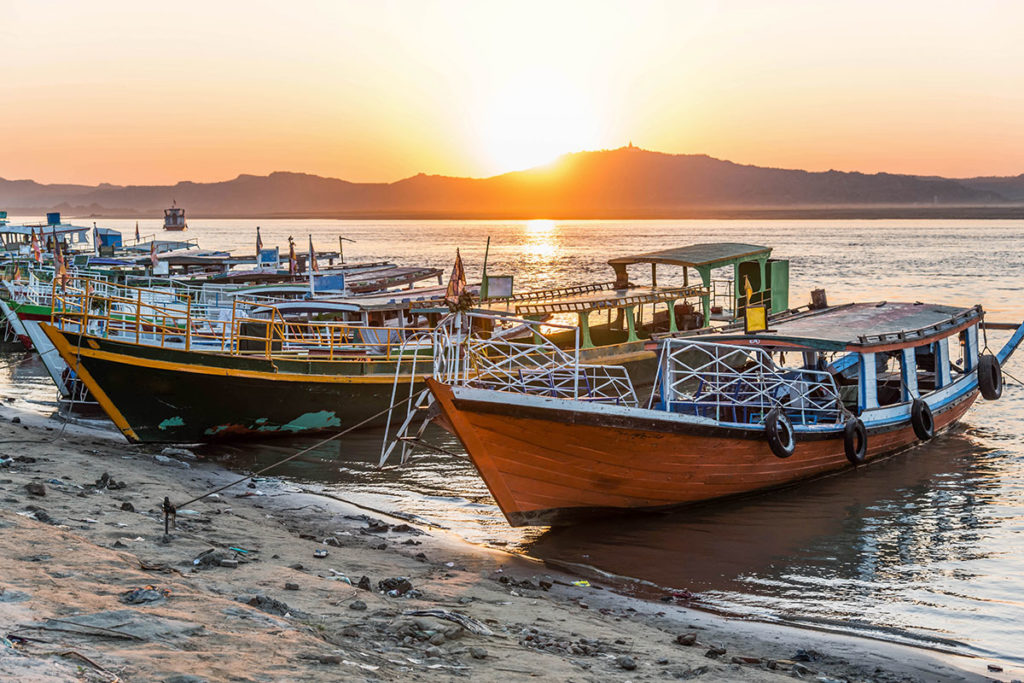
(925, 547)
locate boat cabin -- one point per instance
(859, 359)
(725, 296)
(174, 218)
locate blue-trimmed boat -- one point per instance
(730, 414)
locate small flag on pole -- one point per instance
(259, 242)
(293, 263)
(313, 265)
(37, 253)
(456, 291)
(58, 261)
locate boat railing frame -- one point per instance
(133, 315)
(741, 385)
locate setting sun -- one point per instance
(532, 120)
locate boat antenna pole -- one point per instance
(341, 248)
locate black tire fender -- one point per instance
(855, 441)
(781, 437)
(922, 420)
(990, 377)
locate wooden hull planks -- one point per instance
(548, 466)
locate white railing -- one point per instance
(475, 350)
(741, 384)
(488, 351)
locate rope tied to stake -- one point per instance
(170, 510)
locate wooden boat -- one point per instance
(164, 373)
(728, 414)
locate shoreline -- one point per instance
(94, 551)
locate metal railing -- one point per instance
(157, 317)
(740, 384)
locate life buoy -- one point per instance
(781, 437)
(990, 377)
(855, 441)
(921, 419)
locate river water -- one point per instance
(926, 547)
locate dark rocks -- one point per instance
(625, 662)
(35, 488)
(715, 651)
(364, 583)
(545, 584)
(994, 667)
(16, 420)
(107, 482)
(398, 585)
(330, 659)
(434, 651)
(127, 507)
(686, 638)
(437, 639)
(185, 678)
(376, 526)
(211, 558)
(477, 653)
(357, 605)
(269, 605)
(230, 563)
(291, 586)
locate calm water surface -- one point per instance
(927, 546)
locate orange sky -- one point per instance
(138, 92)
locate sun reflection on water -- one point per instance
(540, 239)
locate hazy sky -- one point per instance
(143, 92)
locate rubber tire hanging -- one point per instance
(781, 437)
(990, 377)
(855, 441)
(922, 420)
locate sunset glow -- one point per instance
(127, 92)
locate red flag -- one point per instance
(457, 283)
(312, 257)
(37, 253)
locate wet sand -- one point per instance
(259, 606)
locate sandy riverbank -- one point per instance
(282, 614)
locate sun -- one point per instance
(531, 121)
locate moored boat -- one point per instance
(729, 414)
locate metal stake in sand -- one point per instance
(170, 510)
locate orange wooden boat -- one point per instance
(727, 416)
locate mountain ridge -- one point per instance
(622, 182)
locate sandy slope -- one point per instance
(75, 567)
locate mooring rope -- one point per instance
(169, 509)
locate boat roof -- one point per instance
(711, 254)
(45, 230)
(604, 298)
(861, 326)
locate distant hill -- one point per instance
(625, 182)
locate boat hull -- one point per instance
(158, 394)
(547, 464)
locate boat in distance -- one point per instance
(730, 414)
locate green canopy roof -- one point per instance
(703, 255)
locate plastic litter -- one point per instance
(581, 583)
(320, 553)
(139, 596)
